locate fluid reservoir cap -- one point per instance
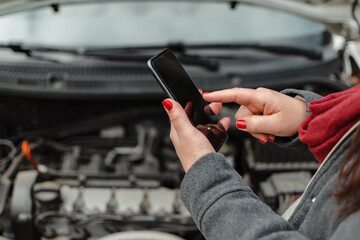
(47, 192)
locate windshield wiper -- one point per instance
(140, 55)
(113, 54)
(30, 51)
(311, 53)
(137, 52)
(143, 53)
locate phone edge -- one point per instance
(157, 76)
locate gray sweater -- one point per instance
(224, 207)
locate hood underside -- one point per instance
(337, 15)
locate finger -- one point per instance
(225, 122)
(190, 110)
(242, 112)
(263, 138)
(216, 107)
(178, 118)
(265, 124)
(242, 96)
(271, 138)
(200, 90)
(174, 137)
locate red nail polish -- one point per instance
(241, 124)
(200, 90)
(271, 140)
(167, 104)
(262, 142)
(206, 93)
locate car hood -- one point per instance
(335, 14)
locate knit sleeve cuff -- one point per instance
(293, 141)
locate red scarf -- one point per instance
(331, 117)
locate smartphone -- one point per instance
(177, 84)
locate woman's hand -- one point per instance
(263, 113)
(190, 144)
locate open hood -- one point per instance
(337, 15)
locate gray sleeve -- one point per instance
(349, 228)
(224, 207)
(294, 142)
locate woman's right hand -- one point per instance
(263, 113)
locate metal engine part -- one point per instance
(144, 235)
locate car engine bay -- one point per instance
(93, 167)
(85, 151)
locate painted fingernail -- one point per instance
(271, 139)
(241, 124)
(206, 93)
(262, 142)
(200, 90)
(167, 104)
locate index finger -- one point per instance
(242, 96)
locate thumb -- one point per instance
(178, 117)
(263, 124)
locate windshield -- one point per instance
(152, 23)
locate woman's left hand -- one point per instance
(190, 144)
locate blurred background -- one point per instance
(148, 23)
(84, 145)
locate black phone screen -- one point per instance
(174, 80)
